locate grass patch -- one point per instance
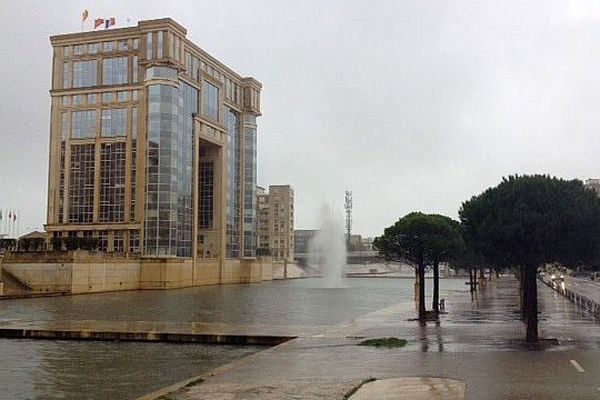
(195, 382)
(390, 342)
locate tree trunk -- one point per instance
(436, 286)
(530, 302)
(482, 282)
(471, 288)
(521, 293)
(422, 312)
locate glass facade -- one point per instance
(206, 190)
(85, 73)
(81, 188)
(168, 224)
(114, 71)
(83, 124)
(134, 128)
(232, 230)
(210, 100)
(249, 223)
(185, 168)
(114, 122)
(100, 155)
(112, 182)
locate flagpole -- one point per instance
(19, 223)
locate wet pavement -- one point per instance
(479, 341)
(296, 308)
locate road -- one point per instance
(584, 286)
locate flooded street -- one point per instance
(42, 369)
(49, 369)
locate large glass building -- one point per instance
(152, 145)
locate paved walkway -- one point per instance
(478, 343)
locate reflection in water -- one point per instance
(43, 369)
(120, 370)
(427, 333)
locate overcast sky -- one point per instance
(412, 105)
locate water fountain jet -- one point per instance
(327, 249)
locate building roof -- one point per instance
(34, 235)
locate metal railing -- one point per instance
(582, 302)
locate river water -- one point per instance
(50, 369)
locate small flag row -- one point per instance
(9, 222)
(98, 22)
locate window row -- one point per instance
(85, 123)
(163, 44)
(107, 71)
(105, 47)
(193, 68)
(112, 241)
(104, 97)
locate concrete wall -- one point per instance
(88, 272)
(46, 277)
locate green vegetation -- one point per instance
(527, 222)
(421, 239)
(194, 382)
(390, 342)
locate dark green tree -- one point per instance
(446, 244)
(420, 240)
(529, 221)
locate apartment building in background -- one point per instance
(276, 222)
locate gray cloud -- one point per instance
(412, 105)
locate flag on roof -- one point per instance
(109, 22)
(98, 22)
(84, 15)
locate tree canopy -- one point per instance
(534, 220)
(421, 240)
(529, 221)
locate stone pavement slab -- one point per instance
(411, 389)
(479, 341)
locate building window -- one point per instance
(83, 124)
(114, 71)
(134, 241)
(122, 44)
(78, 49)
(114, 122)
(64, 126)
(102, 241)
(206, 194)
(93, 48)
(66, 51)
(149, 46)
(78, 99)
(91, 98)
(66, 76)
(159, 45)
(85, 73)
(107, 97)
(122, 96)
(136, 44)
(108, 46)
(81, 189)
(136, 69)
(118, 241)
(134, 123)
(210, 100)
(161, 72)
(112, 182)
